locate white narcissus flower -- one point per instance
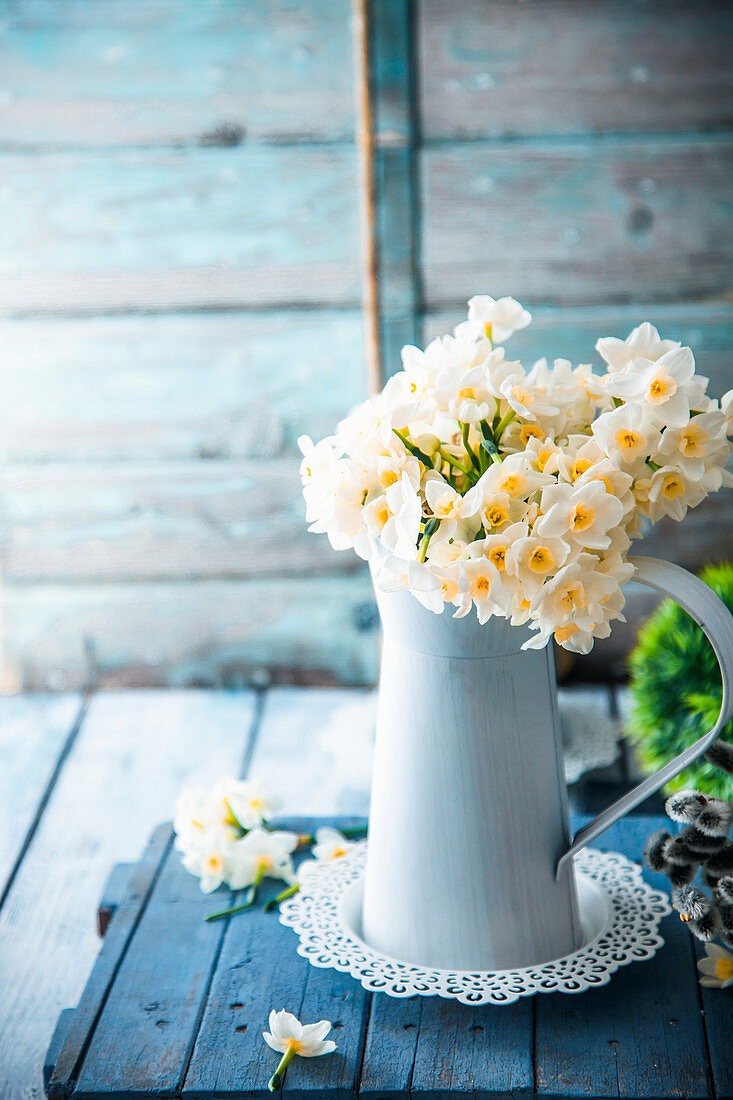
(664, 387)
(394, 575)
(497, 319)
(532, 559)
(330, 844)
(694, 443)
(626, 436)
(716, 967)
(582, 514)
(259, 855)
(400, 531)
(208, 857)
(642, 343)
(289, 1037)
(245, 802)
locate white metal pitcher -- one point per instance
(469, 860)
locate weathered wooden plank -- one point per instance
(110, 74)
(571, 332)
(34, 730)
(298, 747)
(56, 1045)
(154, 230)
(638, 1036)
(127, 911)
(213, 385)
(717, 1019)
(158, 993)
(257, 970)
(212, 633)
(430, 1048)
(469, 1051)
(486, 70)
(114, 892)
(219, 519)
(617, 219)
(133, 754)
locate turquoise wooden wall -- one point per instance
(179, 286)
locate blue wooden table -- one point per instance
(176, 1007)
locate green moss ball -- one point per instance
(676, 689)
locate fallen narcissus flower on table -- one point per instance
(716, 967)
(289, 1037)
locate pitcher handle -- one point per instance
(709, 612)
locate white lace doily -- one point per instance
(619, 912)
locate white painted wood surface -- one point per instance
(34, 729)
(311, 748)
(134, 753)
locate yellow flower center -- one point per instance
(496, 515)
(724, 969)
(413, 387)
(581, 517)
(213, 863)
(660, 389)
(521, 396)
(544, 457)
(579, 467)
(497, 556)
(541, 560)
(487, 330)
(480, 587)
(467, 394)
(513, 484)
(449, 589)
(383, 515)
(672, 487)
(388, 477)
(530, 431)
(567, 599)
(692, 442)
(447, 506)
(337, 853)
(629, 440)
(308, 472)
(566, 632)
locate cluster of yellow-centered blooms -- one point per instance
(475, 482)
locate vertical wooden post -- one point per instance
(361, 10)
(386, 83)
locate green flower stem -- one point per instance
(491, 450)
(653, 465)
(278, 1076)
(404, 437)
(456, 463)
(251, 898)
(465, 429)
(504, 423)
(289, 893)
(234, 817)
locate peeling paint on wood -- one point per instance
(576, 222)
(505, 69)
(174, 72)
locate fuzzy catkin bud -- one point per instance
(654, 852)
(680, 874)
(720, 755)
(690, 903)
(720, 863)
(699, 843)
(724, 888)
(684, 806)
(715, 818)
(726, 918)
(707, 927)
(676, 851)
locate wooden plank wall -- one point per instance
(578, 157)
(179, 294)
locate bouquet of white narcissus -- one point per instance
(518, 492)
